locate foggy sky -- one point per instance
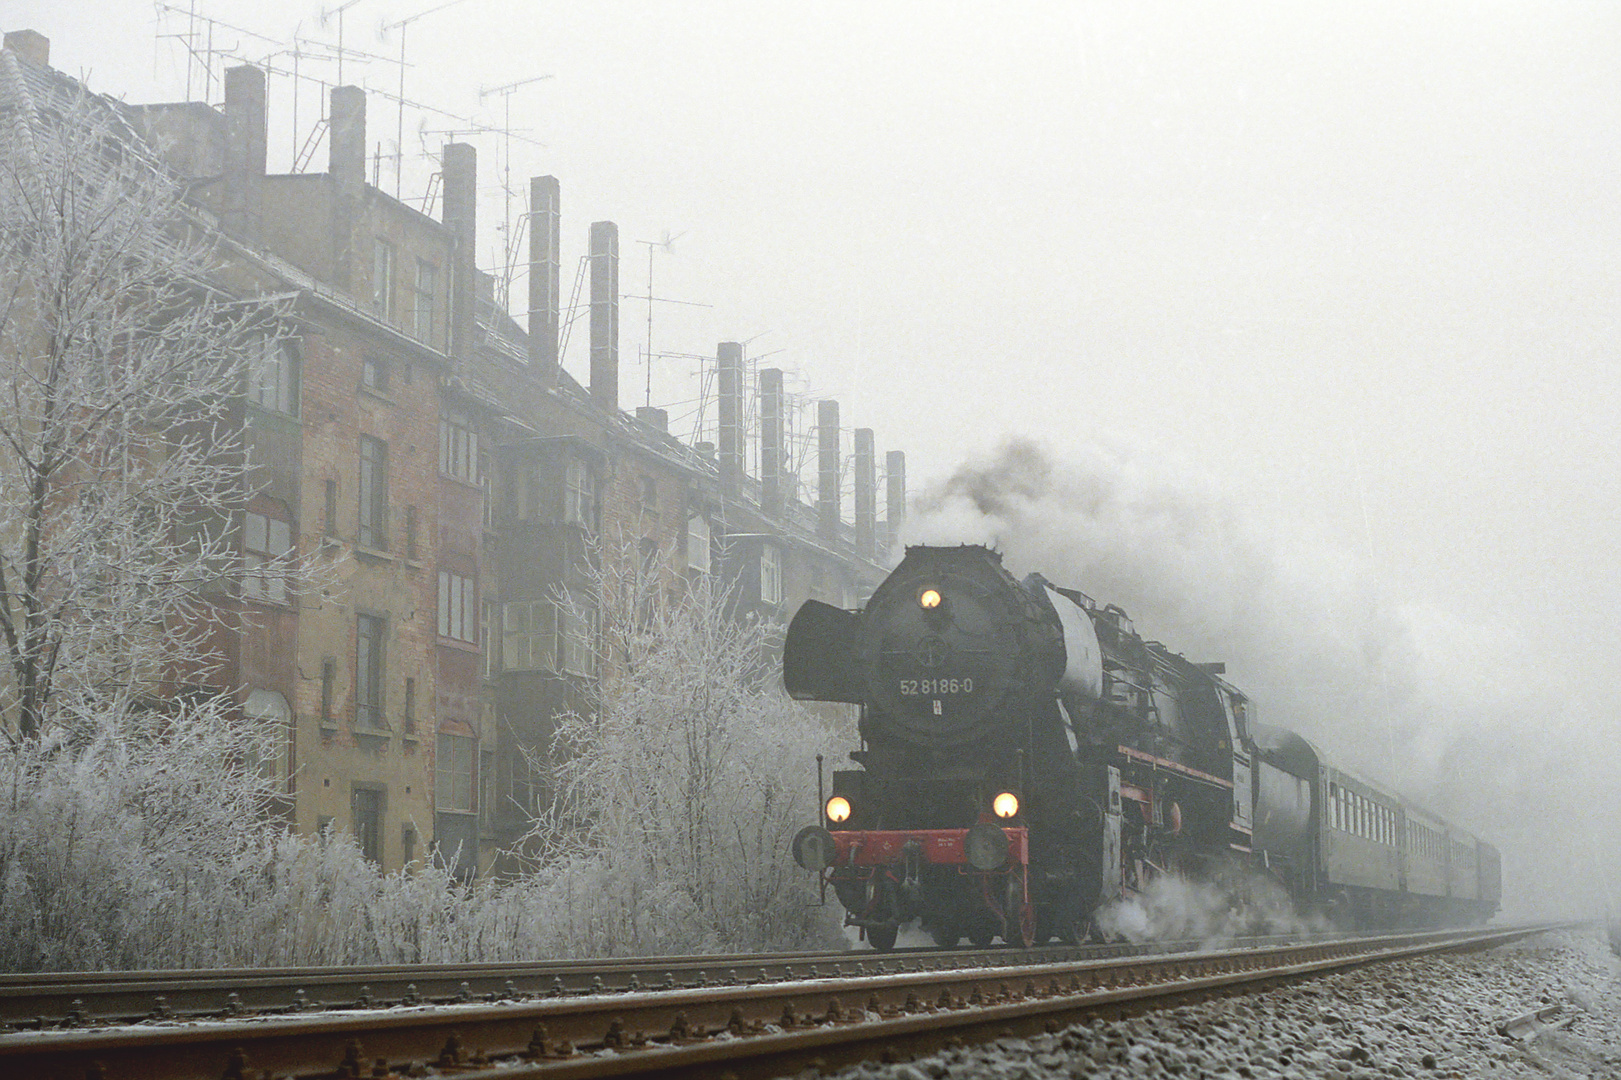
(1346, 270)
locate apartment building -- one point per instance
(452, 484)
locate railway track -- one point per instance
(894, 1008)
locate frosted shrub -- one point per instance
(679, 794)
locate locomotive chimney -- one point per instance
(771, 478)
(545, 212)
(605, 315)
(827, 470)
(895, 468)
(729, 363)
(866, 494)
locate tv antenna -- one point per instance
(666, 244)
(510, 243)
(327, 13)
(399, 133)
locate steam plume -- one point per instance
(1460, 716)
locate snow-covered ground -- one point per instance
(1431, 1017)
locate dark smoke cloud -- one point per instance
(1461, 716)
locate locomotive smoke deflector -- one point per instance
(818, 655)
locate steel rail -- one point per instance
(755, 1030)
(55, 999)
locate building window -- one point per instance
(270, 710)
(374, 373)
(698, 543)
(266, 543)
(650, 496)
(369, 672)
(577, 640)
(458, 447)
(332, 508)
(410, 704)
(422, 310)
(410, 532)
(770, 575)
(373, 531)
(458, 607)
(329, 679)
(453, 773)
(580, 499)
(527, 627)
(273, 378)
(408, 843)
(368, 815)
(382, 278)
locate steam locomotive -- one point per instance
(1027, 758)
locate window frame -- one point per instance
(371, 527)
(371, 632)
(580, 494)
(423, 294)
(274, 378)
(450, 782)
(458, 607)
(458, 447)
(383, 263)
(770, 575)
(256, 585)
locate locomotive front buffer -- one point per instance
(886, 878)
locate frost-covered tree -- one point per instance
(130, 821)
(121, 361)
(678, 792)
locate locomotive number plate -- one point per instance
(935, 687)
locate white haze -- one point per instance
(1462, 716)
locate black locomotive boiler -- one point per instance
(1026, 758)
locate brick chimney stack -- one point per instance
(460, 170)
(605, 315)
(771, 445)
(346, 162)
(245, 149)
(347, 169)
(827, 470)
(30, 45)
(866, 494)
(545, 268)
(729, 376)
(895, 468)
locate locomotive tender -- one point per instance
(1028, 758)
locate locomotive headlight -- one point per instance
(1005, 804)
(838, 809)
(929, 599)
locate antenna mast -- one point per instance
(509, 245)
